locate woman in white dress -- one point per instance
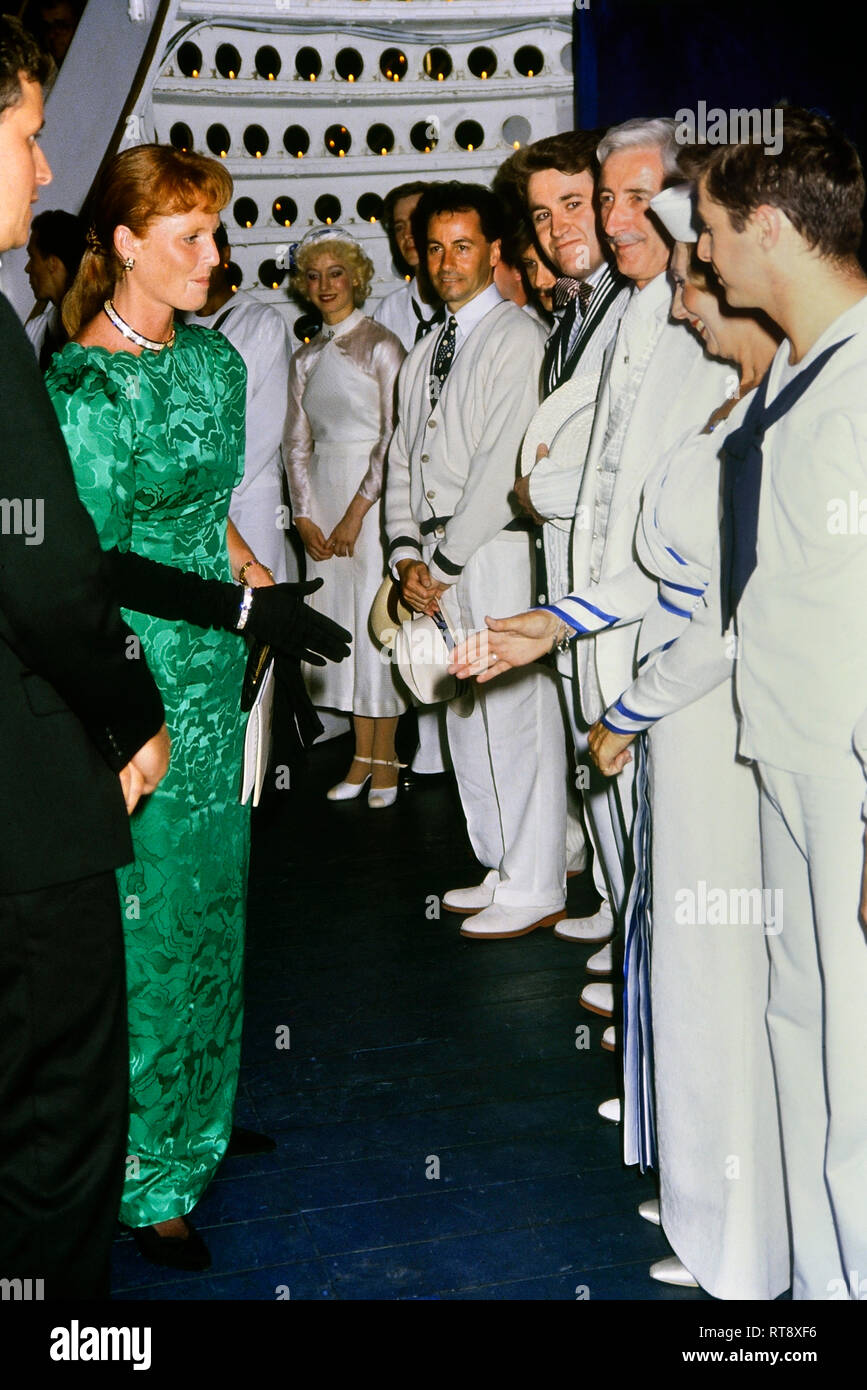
(338, 427)
(722, 1200)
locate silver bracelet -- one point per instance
(246, 605)
(562, 640)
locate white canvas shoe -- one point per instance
(588, 931)
(609, 1038)
(650, 1211)
(671, 1271)
(497, 922)
(601, 962)
(610, 1110)
(472, 899)
(598, 998)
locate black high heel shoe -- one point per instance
(178, 1252)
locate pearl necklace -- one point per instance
(150, 344)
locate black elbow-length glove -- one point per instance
(278, 615)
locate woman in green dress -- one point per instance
(153, 415)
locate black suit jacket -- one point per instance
(75, 700)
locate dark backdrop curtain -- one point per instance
(654, 57)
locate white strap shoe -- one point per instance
(380, 797)
(348, 791)
(610, 1110)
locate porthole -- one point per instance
(327, 208)
(482, 62)
(424, 136)
(380, 138)
(349, 64)
(246, 212)
(190, 59)
(268, 63)
(228, 60)
(308, 64)
(218, 140)
(469, 135)
(566, 57)
(529, 60)
(284, 210)
(392, 64)
(437, 64)
(369, 207)
(337, 140)
(271, 276)
(516, 131)
(256, 141)
(181, 136)
(306, 327)
(296, 141)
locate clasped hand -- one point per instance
(608, 750)
(421, 592)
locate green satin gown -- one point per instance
(157, 444)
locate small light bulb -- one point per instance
(223, 154)
(531, 73)
(439, 77)
(516, 144)
(483, 74)
(351, 77)
(383, 150)
(195, 72)
(470, 147)
(248, 224)
(270, 77)
(287, 222)
(341, 153)
(373, 219)
(328, 220)
(231, 74)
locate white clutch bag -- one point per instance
(257, 738)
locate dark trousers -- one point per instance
(64, 1084)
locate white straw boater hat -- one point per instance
(387, 612)
(675, 208)
(422, 651)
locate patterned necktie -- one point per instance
(424, 326)
(443, 358)
(566, 287)
(585, 294)
(742, 482)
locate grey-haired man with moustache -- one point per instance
(656, 383)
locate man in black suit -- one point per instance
(82, 737)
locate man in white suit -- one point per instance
(465, 396)
(656, 384)
(783, 234)
(557, 182)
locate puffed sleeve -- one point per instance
(298, 436)
(94, 410)
(385, 360)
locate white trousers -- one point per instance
(609, 812)
(507, 744)
(812, 852)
